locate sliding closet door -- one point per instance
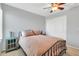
(56, 27)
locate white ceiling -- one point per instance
(37, 8)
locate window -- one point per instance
(0, 22)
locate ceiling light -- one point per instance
(55, 8)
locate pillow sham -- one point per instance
(37, 32)
(26, 33)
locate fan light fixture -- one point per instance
(55, 7)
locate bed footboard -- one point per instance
(23, 50)
(58, 49)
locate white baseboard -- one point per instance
(73, 47)
(3, 50)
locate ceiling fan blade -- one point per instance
(46, 7)
(58, 3)
(61, 3)
(61, 8)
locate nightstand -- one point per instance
(11, 44)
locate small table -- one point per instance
(11, 44)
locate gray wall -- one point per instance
(17, 20)
(73, 27)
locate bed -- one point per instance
(42, 45)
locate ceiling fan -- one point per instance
(55, 7)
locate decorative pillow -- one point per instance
(30, 33)
(26, 33)
(36, 32)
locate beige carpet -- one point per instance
(19, 52)
(72, 51)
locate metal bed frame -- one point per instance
(56, 49)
